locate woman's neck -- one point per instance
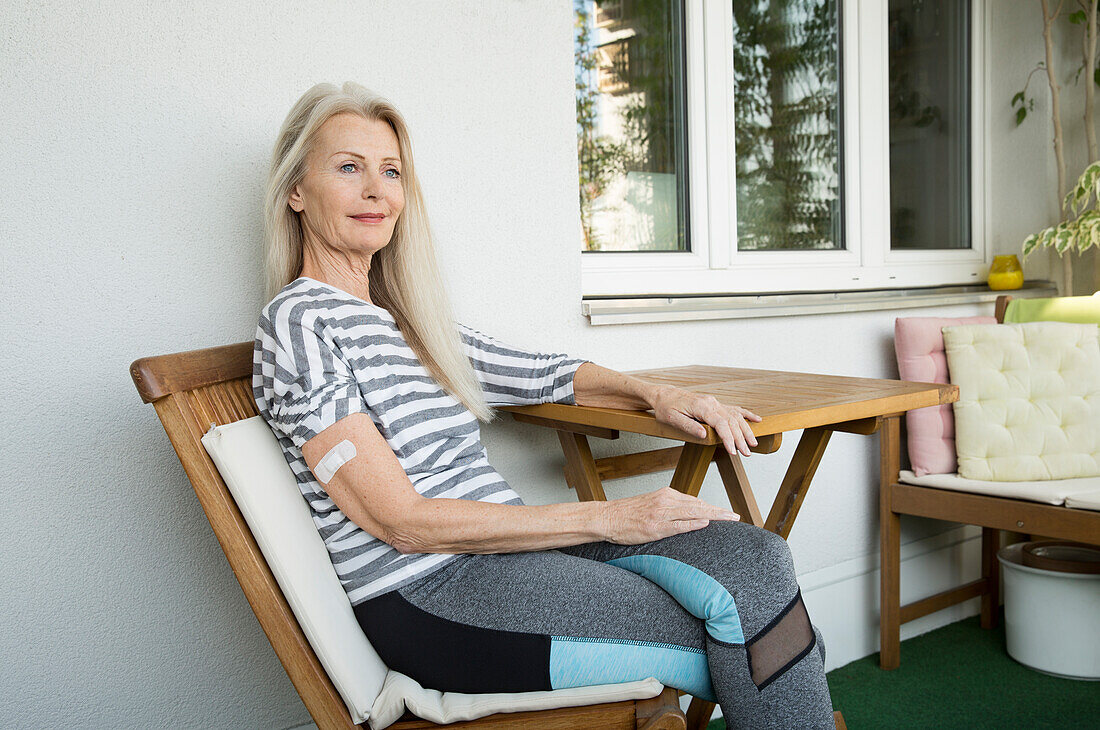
(339, 270)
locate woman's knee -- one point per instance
(771, 553)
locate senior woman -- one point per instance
(375, 394)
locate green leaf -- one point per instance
(1062, 241)
(1020, 114)
(1046, 237)
(1030, 243)
(1018, 99)
(1077, 18)
(1096, 76)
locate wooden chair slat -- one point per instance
(156, 377)
(223, 403)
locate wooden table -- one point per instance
(816, 404)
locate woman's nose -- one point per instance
(372, 188)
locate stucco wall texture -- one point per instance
(135, 144)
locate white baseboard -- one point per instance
(843, 599)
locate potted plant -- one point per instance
(1077, 229)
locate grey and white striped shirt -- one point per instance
(322, 354)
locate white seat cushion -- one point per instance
(1029, 400)
(1054, 491)
(251, 462)
(401, 692)
(1086, 500)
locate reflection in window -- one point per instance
(787, 111)
(631, 131)
(929, 124)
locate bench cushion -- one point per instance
(251, 463)
(1053, 491)
(1083, 310)
(1029, 400)
(1086, 500)
(918, 342)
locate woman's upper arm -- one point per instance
(311, 396)
(512, 376)
(371, 488)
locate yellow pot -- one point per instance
(1005, 273)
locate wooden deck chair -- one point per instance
(193, 391)
(1064, 516)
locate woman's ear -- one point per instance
(294, 200)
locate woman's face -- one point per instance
(351, 195)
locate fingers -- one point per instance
(660, 514)
(730, 423)
(689, 425)
(687, 507)
(746, 429)
(732, 437)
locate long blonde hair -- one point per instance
(404, 275)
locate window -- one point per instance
(779, 145)
(630, 126)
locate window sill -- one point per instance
(630, 310)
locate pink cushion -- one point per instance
(918, 342)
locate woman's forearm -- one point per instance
(594, 385)
(440, 525)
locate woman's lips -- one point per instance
(369, 218)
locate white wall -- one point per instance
(135, 142)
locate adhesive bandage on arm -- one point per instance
(336, 457)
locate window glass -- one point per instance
(631, 133)
(929, 124)
(787, 116)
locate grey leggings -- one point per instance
(716, 612)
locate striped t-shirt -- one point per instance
(322, 354)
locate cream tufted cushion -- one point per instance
(1029, 400)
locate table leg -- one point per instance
(889, 548)
(807, 455)
(698, 714)
(736, 482)
(581, 467)
(692, 467)
(991, 572)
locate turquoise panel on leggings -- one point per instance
(701, 595)
(581, 662)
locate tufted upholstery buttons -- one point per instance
(1029, 400)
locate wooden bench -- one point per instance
(992, 514)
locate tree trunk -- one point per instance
(1090, 89)
(1090, 84)
(1059, 156)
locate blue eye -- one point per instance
(395, 175)
(344, 167)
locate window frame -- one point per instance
(715, 265)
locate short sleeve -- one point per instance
(512, 376)
(310, 386)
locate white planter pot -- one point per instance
(1052, 619)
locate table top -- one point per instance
(786, 401)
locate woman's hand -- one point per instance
(685, 410)
(655, 515)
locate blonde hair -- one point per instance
(404, 275)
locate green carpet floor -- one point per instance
(958, 676)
